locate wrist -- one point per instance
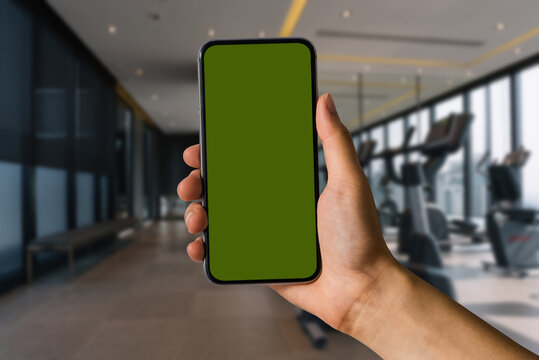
(368, 315)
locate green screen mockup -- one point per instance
(259, 160)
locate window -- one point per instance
(364, 136)
(421, 123)
(395, 132)
(123, 148)
(529, 112)
(376, 166)
(500, 119)
(450, 178)
(15, 110)
(51, 200)
(478, 147)
(10, 217)
(85, 198)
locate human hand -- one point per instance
(354, 254)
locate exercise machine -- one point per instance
(513, 231)
(466, 228)
(445, 137)
(388, 211)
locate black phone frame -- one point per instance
(314, 96)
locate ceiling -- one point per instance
(151, 46)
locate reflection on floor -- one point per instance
(148, 301)
(508, 303)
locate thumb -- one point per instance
(341, 158)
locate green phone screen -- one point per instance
(259, 154)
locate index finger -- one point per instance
(191, 156)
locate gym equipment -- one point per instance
(513, 231)
(365, 151)
(388, 211)
(468, 228)
(314, 328)
(446, 136)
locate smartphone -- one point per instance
(259, 161)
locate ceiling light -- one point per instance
(261, 34)
(139, 72)
(517, 51)
(112, 29)
(211, 32)
(155, 97)
(346, 13)
(154, 16)
(500, 26)
(404, 80)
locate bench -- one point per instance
(69, 241)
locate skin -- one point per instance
(362, 290)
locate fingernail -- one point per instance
(186, 216)
(330, 104)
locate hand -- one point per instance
(362, 290)
(354, 254)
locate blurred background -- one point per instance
(98, 100)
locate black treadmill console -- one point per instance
(366, 151)
(447, 135)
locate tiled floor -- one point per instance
(148, 301)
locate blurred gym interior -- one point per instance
(98, 100)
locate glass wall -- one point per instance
(15, 115)
(421, 123)
(529, 116)
(478, 148)
(500, 118)
(395, 137)
(56, 132)
(493, 130)
(376, 166)
(449, 183)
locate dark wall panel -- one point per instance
(173, 169)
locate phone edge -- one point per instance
(202, 142)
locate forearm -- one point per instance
(403, 317)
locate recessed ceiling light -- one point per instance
(517, 51)
(211, 32)
(404, 80)
(261, 34)
(139, 72)
(500, 26)
(155, 97)
(346, 13)
(154, 16)
(112, 29)
(469, 73)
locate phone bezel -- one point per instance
(314, 95)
